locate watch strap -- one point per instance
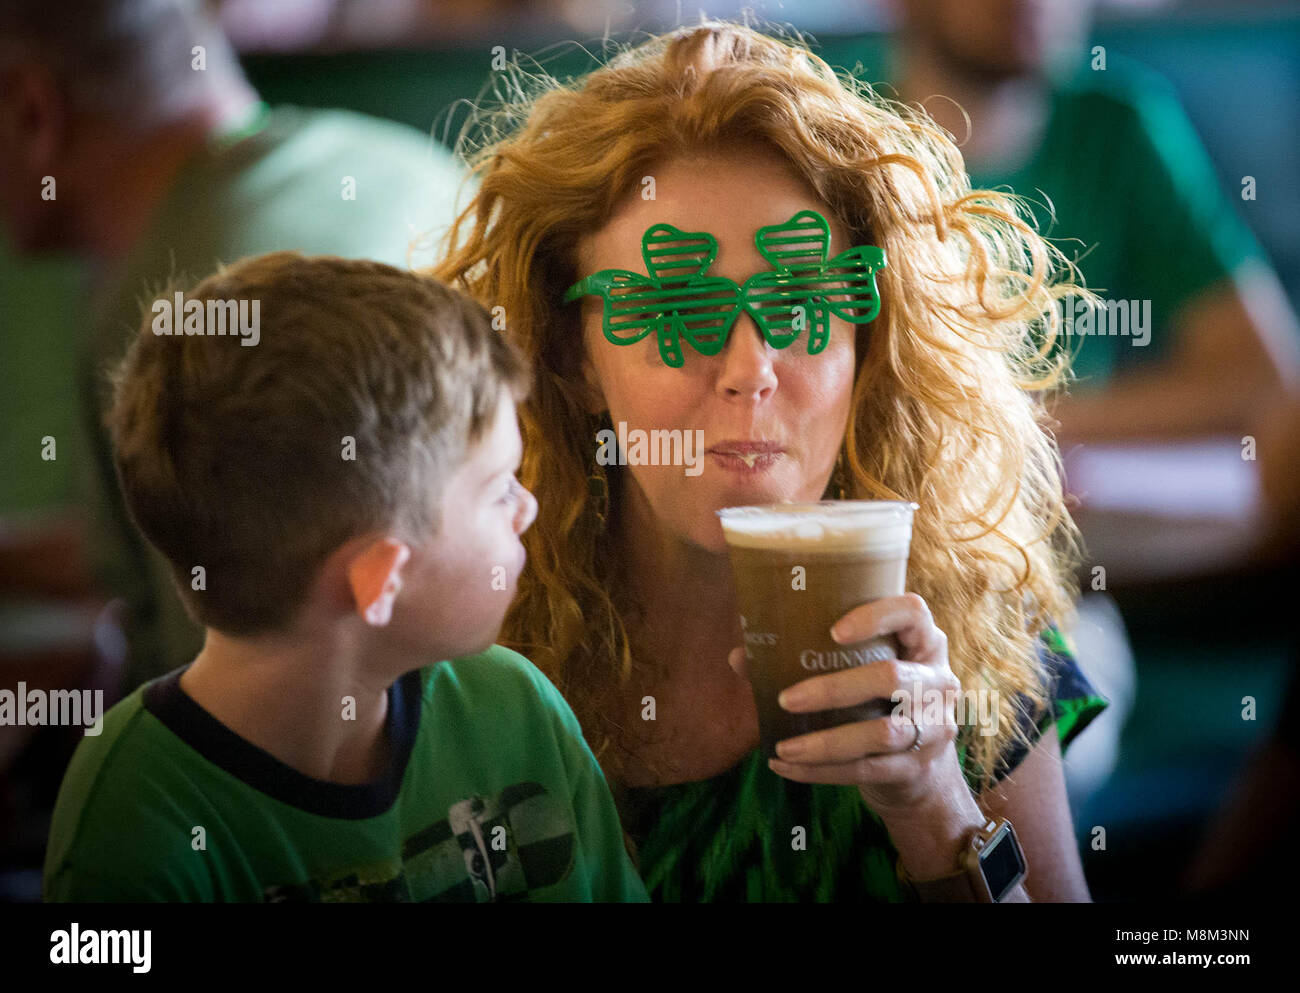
(957, 888)
(970, 884)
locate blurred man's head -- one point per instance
(77, 74)
(996, 39)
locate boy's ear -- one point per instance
(375, 578)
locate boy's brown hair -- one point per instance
(364, 391)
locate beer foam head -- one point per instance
(879, 527)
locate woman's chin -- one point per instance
(714, 544)
(757, 496)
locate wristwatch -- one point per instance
(992, 864)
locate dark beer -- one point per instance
(799, 568)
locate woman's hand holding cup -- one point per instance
(878, 755)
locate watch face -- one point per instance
(1002, 863)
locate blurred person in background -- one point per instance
(130, 138)
(1118, 179)
(1135, 198)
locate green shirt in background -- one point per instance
(317, 182)
(1137, 204)
(38, 310)
(491, 794)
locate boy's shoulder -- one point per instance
(501, 684)
(495, 665)
(128, 735)
(91, 826)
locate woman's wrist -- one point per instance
(931, 835)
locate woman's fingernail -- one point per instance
(789, 749)
(835, 634)
(790, 698)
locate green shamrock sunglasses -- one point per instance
(679, 302)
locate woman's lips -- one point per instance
(744, 464)
(746, 458)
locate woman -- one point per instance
(628, 603)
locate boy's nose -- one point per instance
(527, 512)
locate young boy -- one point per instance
(324, 451)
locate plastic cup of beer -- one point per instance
(799, 568)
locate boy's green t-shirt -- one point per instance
(491, 794)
